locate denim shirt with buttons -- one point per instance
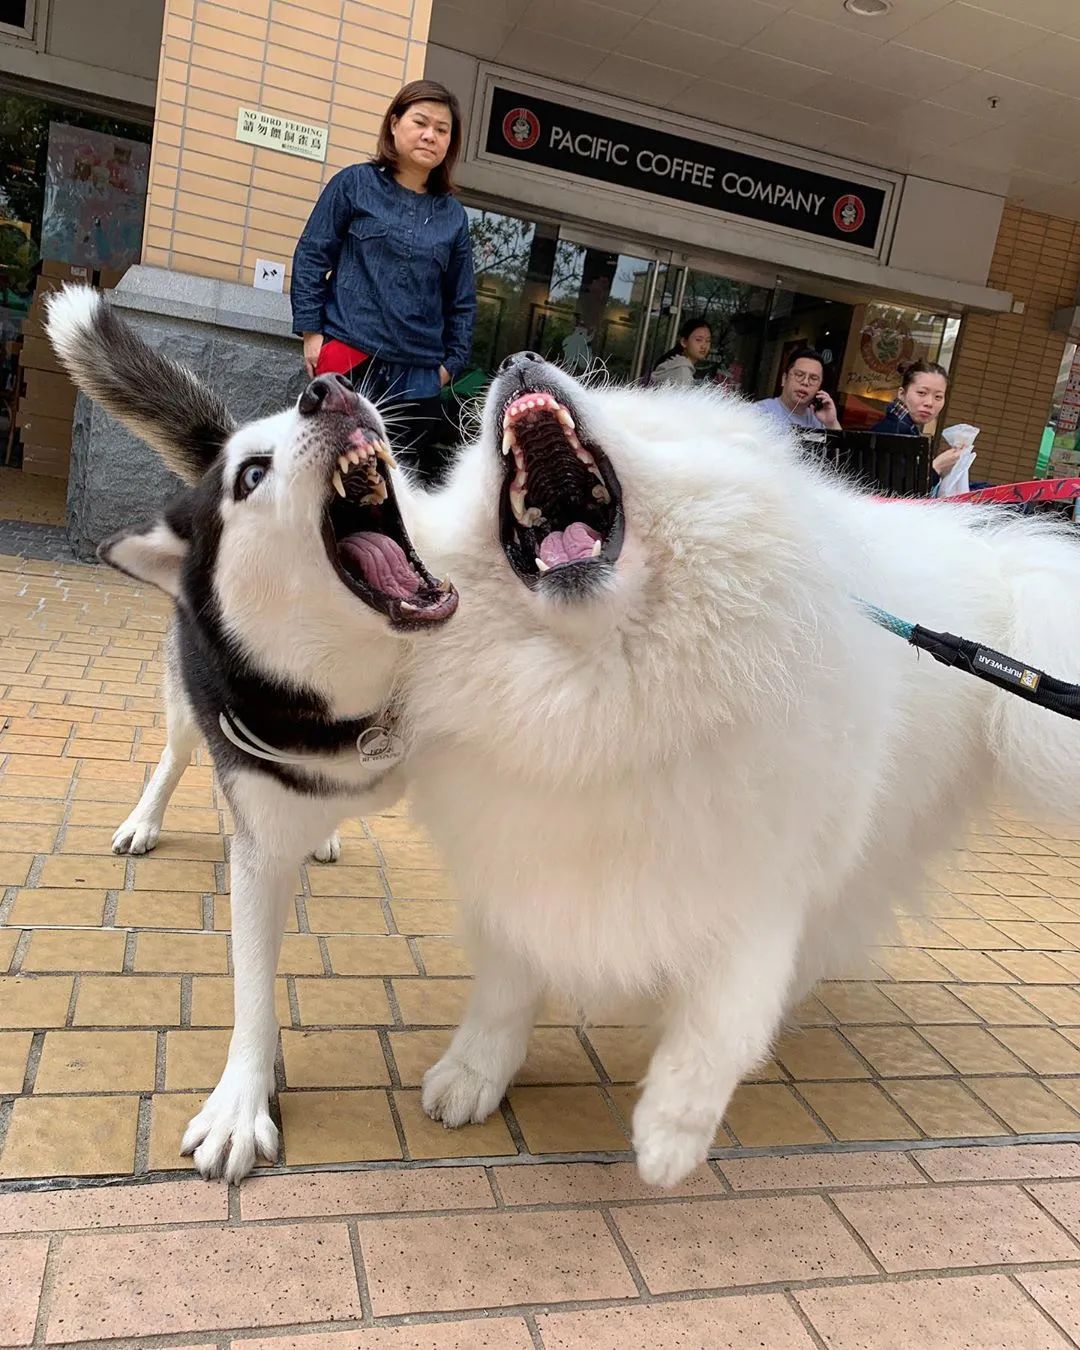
(388, 271)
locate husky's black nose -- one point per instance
(519, 360)
(328, 393)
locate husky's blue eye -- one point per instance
(249, 478)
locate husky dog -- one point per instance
(664, 750)
(296, 586)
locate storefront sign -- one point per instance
(530, 130)
(256, 127)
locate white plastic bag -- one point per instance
(956, 481)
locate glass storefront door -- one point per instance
(578, 300)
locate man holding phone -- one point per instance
(803, 402)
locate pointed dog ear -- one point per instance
(154, 553)
(164, 403)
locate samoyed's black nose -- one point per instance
(328, 393)
(519, 361)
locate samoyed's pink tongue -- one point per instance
(569, 545)
(382, 563)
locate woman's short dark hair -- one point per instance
(908, 375)
(687, 327)
(804, 354)
(440, 179)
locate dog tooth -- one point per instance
(533, 517)
(585, 457)
(507, 440)
(597, 545)
(565, 419)
(517, 503)
(339, 486)
(444, 585)
(343, 464)
(413, 609)
(541, 565)
(384, 453)
(601, 494)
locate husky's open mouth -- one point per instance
(367, 543)
(560, 518)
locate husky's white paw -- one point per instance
(458, 1095)
(670, 1144)
(138, 834)
(330, 851)
(232, 1129)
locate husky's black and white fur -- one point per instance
(296, 586)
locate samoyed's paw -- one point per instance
(458, 1095)
(232, 1130)
(670, 1143)
(330, 851)
(138, 834)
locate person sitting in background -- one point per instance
(802, 401)
(693, 345)
(918, 401)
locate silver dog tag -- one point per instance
(379, 745)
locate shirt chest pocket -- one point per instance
(367, 252)
(441, 254)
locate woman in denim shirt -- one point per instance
(382, 285)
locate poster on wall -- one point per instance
(887, 341)
(95, 198)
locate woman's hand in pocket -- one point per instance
(444, 377)
(312, 347)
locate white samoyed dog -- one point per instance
(664, 750)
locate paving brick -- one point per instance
(1058, 1293)
(808, 1171)
(929, 1228)
(113, 1207)
(1063, 1202)
(378, 1192)
(695, 1244)
(720, 1324)
(986, 1311)
(490, 1333)
(126, 1285)
(587, 1183)
(499, 1260)
(23, 1264)
(1001, 1163)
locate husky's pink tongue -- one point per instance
(382, 563)
(569, 545)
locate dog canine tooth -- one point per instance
(384, 453)
(565, 419)
(343, 463)
(444, 586)
(339, 486)
(413, 609)
(517, 503)
(597, 546)
(541, 565)
(508, 439)
(601, 494)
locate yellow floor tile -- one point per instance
(761, 1115)
(1059, 1003)
(46, 908)
(973, 967)
(69, 871)
(414, 884)
(300, 955)
(194, 1059)
(329, 1059)
(128, 1000)
(432, 1002)
(35, 1001)
(443, 956)
(1041, 1048)
(223, 916)
(943, 1109)
(426, 1138)
(566, 1120)
(370, 956)
(555, 1055)
(330, 915)
(346, 881)
(70, 1136)
(424, 917)
(159, 909)
(1030, 935)
(212, 1002)
(858, 1003)
(1035, 968)
(857, 1111)
(998, 1005)
(929, 1003)
(56, 949)
(896, 1052)
(170, 1114)
(818, 1053)
(27, 838)
(1025, 1105)
(1068, 1088)
(16, 812)
(97, 1061)
(166, 874)
(168, 952)
(972, 1050)
(14, 1052)
(909, 963)
(402, 856)
(416, 1051)
(342, 1002)
(325, 1127)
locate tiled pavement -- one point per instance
(113, 1017)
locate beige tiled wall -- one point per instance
(1004, 374)
(215, 204)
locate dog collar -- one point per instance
(379, 745)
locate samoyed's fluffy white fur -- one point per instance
(710, 782)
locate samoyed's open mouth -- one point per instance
(561, 520)
(367, 543)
